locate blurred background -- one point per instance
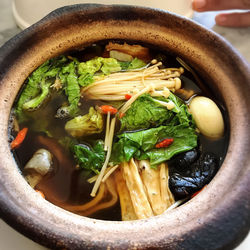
(19, 14)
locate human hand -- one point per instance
(226, 19)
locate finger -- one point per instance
(233, 19)
(207, 5)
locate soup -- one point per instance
(117, 131)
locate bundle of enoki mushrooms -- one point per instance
(154, 80)
(143, 191)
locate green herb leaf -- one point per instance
(145, 113)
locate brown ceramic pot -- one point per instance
(217, 218)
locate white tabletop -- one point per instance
(239, 38)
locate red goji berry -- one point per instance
(165, 143)
(19, 138)
(127, 96)
(108, 109)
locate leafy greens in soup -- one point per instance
(116, 131)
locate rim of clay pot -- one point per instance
(208, 219)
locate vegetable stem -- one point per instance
(99, 179)
(107, 132)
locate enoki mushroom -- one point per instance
(115, 86)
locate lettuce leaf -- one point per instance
(185, 139)
(85, 79)
(73, 92)
(90, 158)
(145, 113)
(91, 123)
(141, 144)
(69, 78)
(87, 69)
(37, 87)
(134, 64)
(36, 102)
(110, 65)
(32, 88)
(181, 110)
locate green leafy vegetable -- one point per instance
(86, 79)
(36, 102)
(134, 64)
(91, 123)
(72, 88)
(182, 114)
(37, 87)
(185, 139)
(71, 75)
(145, 113)
(141, 144)
(124, 150)
(89, 68)
(124, 65)
(90, 158)
(73, 92)
(32, 88)
(110, 65)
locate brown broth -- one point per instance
(67, 184)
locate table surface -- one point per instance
(239, 38)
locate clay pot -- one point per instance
(217, 218)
